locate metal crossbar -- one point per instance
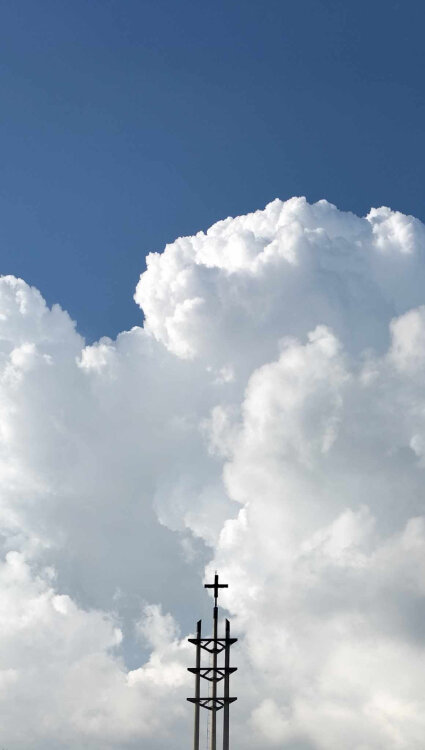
(212, 704)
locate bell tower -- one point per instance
(215, 675)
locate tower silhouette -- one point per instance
(213, 674)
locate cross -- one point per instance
(216, 586)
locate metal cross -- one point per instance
(216, 586)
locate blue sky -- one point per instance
(269, 423)
(127, 124)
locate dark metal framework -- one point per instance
(213, 674)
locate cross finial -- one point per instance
(216, 586)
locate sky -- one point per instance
(126, 125)
(201, 369)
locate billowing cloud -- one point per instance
(268, 421)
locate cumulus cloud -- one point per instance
(268, 421)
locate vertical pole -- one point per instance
(226, 689)
(197, 687)
(214, 684)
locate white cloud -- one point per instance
(269, 420)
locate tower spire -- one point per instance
(215, 673)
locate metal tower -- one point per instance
(213, 674)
